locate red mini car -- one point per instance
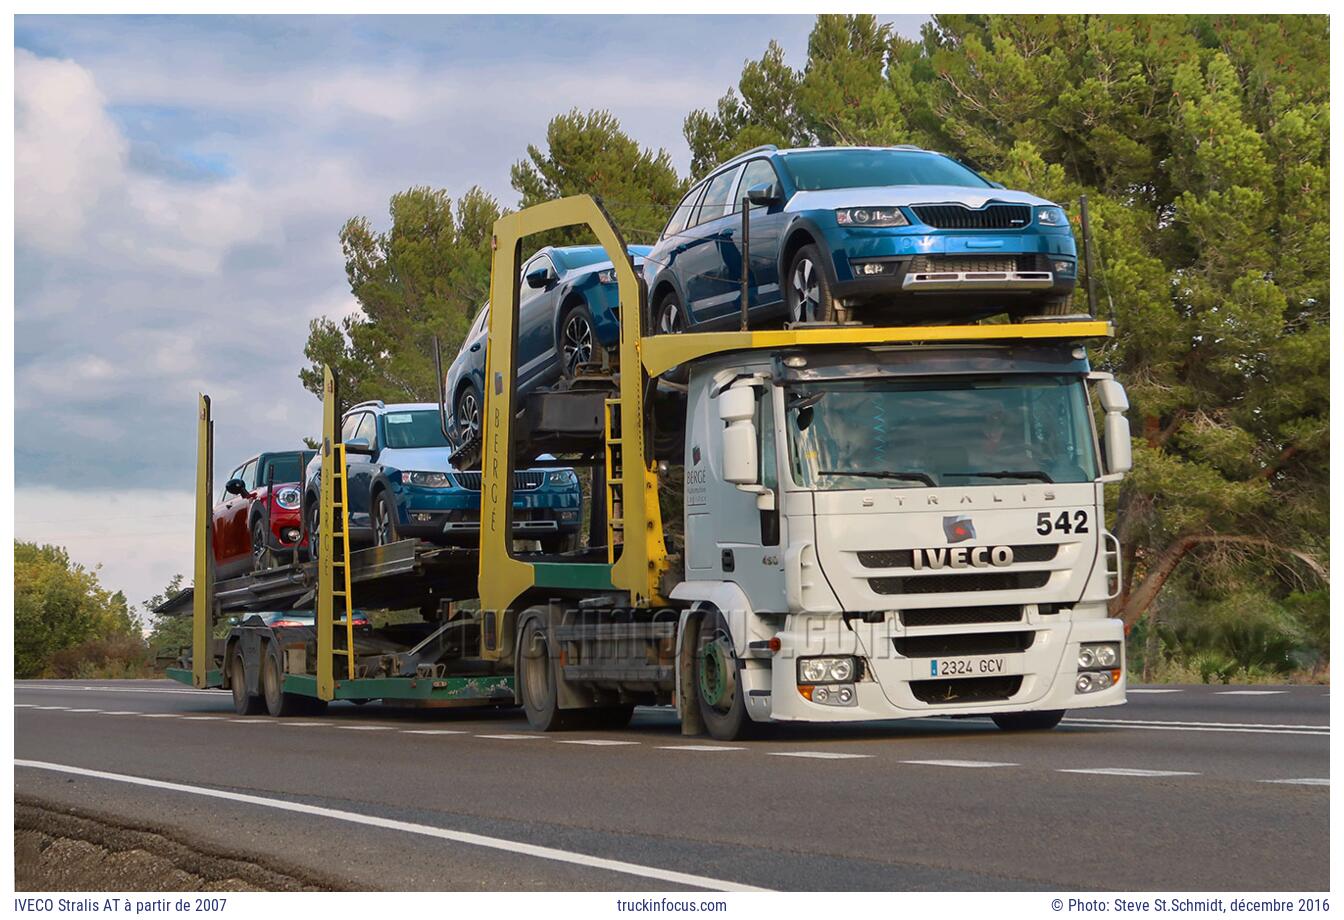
(257, 522)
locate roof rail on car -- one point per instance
(368, 402)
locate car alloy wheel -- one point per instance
(669, 318)
(806, 291)
(576, 341)
(384, 530)
(262, 557)
(468, 415)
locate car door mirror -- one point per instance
(359, 446)
(539, 278)
(235, 487)
(765, 195)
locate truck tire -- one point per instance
(278, 702)
(244, 703)
(722, 703)
(1028, 721)
(536, 679)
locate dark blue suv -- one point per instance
(401, 485)
(908, 231)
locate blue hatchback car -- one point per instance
(401, 485)
(909, 231)
(568, 311)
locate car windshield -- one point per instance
(580, 256)
(285, 467)
(917, 433)
(814, 170)
(414, 428)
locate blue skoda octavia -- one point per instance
(402, 486)
(836, 231)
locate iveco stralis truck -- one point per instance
(878, 523)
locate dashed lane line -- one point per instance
(595, 742)
(973, 764)
(424, 830)
(366, 728)
(67, 688)
(1248, 692)
(1153, 690)
(698, 747)
(432, 731)
(1304, 781)
(819, 755)
(155, 715)
(512, 737)
(1126, 771)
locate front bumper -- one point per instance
(1048, 671)
(286, 532)
(453, 515)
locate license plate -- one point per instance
(976, 666)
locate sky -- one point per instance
(179, 186)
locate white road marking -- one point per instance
(161, 715)
(1137, 690)
(512, 737)
(254, 721)
(68, 688)
(1305, 781)
(1243, 728)
(304, 724)
(698, 747)
(25, 705)
(1248, 692)
(85, 710)
(366, 728)
(819, 755)
(124, 712)
(1197, 724)
(204, 718)
(424, 830)
(1125, 771)
(597, 742)
(432, 731)
(960, 763)
(50, 707)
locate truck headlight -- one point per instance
(871, 217)
(287, 498)
(429, 479)
(825, 670)
(1051, 217)
(562, 478)
(1098, 655)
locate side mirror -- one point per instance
(737, 407)
(359, 446)
(540, 278)
(765, 194)
(1115, 432)
(235, 487)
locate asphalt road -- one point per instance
(1191, 788)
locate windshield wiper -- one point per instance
(1008, 474)
(882, 474)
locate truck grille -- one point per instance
(960, 217)
(973, 581)
(522, 481)
(960, 616)
(904, 558)
(966, 689)
(964, 644)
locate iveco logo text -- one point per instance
(961, 557)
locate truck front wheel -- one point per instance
(1028, 721)
(718, 682)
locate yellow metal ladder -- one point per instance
(615, 478)
(333, 550)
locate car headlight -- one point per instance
(606, 276)
(430, 480)
(1051, 217)
(871, 217)
(825, 670)
(562, 478)
(287, 499)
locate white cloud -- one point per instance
(67, 152)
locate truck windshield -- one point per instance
(815, 170)
(917, 433)
(414, 428)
